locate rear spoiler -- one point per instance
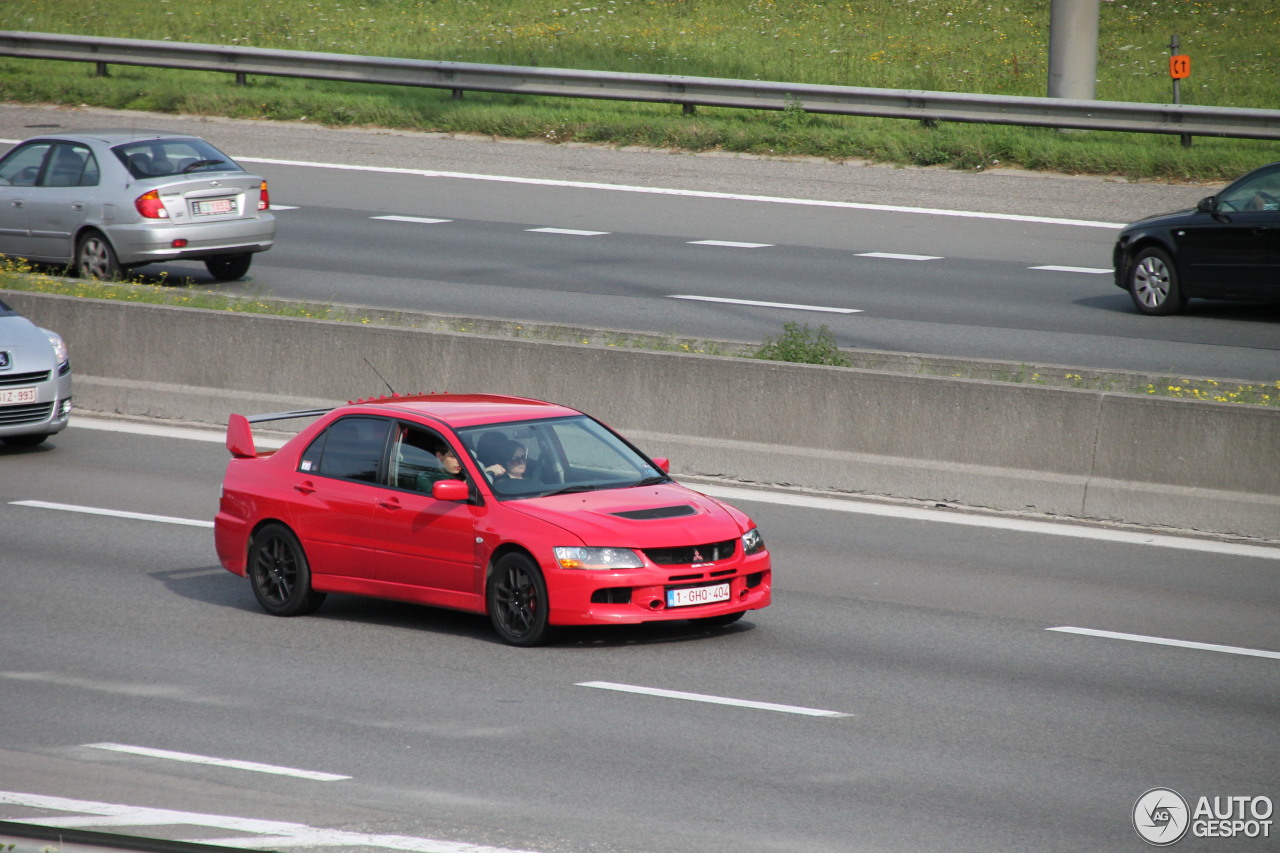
(240, 433)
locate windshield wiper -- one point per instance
(200, 164)
(569, 490)
(652, 481)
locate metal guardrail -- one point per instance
(691, 92)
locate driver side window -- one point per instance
(22, 166)
(1262, 192)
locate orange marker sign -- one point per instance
(1179, 66)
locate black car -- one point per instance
(1227, 248)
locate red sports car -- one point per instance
(531, 512)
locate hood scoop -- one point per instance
(656, 513)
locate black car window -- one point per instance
(351, 449)
(1259, 191)
(71, 165)
(21, 167)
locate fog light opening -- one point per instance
(180, 243)
(655, 604)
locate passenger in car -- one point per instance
(450, 469)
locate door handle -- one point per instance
(305, 488)
(389, 503)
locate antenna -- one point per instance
(380, 376)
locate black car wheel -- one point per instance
(517, 600)
(279, 573)
(1153, 283)
(95, 258)
(229, 267)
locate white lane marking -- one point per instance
(573, 232)
(713, 700)
(1089, 270)
(894, 256)
(1161, 641)
(271, 834)
(731, 244)
(232, 763)
(1048, 528)
(753, 303)
(589, 185)
(114, 513)
(1016, 524)
(421, 220)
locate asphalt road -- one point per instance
(916, 698)
(994, 265)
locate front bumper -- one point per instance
(580, 597)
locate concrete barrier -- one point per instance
(1075, 453)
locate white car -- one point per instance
(103, 202)
(35, 381)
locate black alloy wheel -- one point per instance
(1153, 283)
(516, 596)
(280, 574)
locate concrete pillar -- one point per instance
(1073, 49)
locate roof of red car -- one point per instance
(462, 410)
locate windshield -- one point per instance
(164, 158)
(527, 459)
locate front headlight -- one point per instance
(59, 346)
(602, 559)
(752, 541)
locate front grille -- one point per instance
(684, 555)
(10, 379)
(31, 413)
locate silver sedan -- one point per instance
(35, 381)
(103, 202)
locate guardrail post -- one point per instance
(241, 79)
(102, 70)
(689, 109)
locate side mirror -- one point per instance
(1208, 204)
(450, 490)
(663, 463)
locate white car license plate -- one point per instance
(17, 396)
(211, 206)
(697, 595)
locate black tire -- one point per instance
(229, 267)
(25, 440)
(719, 621)
(1153, 283)
(280, 574)
(95, 258)
(516, 597)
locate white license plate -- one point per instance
(697, 595)
(214, 205)
(17, 396)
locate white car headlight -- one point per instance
(752, 541)
(601, 559)
(59, 346)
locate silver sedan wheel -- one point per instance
(96, 259)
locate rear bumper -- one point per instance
(139, 244)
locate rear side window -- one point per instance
(71, 165)
(350, 449)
